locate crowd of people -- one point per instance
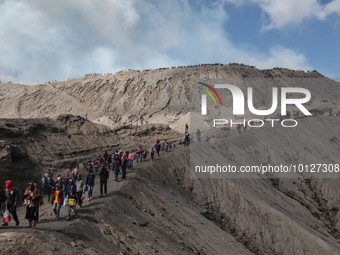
(69, 190)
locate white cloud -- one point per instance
(283, 13)
(55, 40)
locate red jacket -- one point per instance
(60, 198)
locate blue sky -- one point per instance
(56, 40)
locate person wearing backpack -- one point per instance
(90, 184)
(12, 197)
(69, 186)
(72, 203)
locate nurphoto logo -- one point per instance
(239, 104)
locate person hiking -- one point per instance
(116, 168)
(124, 166)
(64, 181)
(12, 197)
(30, 201)
(145, 154)
(70, 185)
(141, 120)
(57, 182)
(130, 160)
(80, 189)
(187, 140)
(158, 147)
(90, 184)
(198, 134)
(152, 154)
(166, 146)
(104, 178)
(46, 186)
(57, 200)
(139, 153)
(106, 156)
(72, 203)
(37, 193)
(96, 166)
(186, 128)
(75, 173)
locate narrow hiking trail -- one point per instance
(47, 220)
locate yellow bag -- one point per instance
(72, 201)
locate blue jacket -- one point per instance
(68, 188)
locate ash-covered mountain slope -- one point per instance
(161, 95)
(155, 211)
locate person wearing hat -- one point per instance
(58, 181)
(12, 197)
(80, 189)
(145, 154)
(72, 203)
(69, 186)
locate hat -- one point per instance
(70, 180)
(46, 175)
(79, 175)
